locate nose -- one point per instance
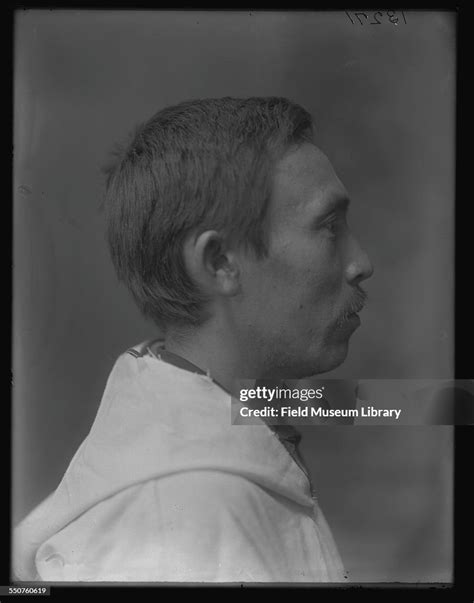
(359, 267)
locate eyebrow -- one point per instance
(336, 203)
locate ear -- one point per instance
(212, 264)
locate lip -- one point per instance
(351, 323)
(354, 318)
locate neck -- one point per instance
(216, 351)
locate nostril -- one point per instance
(359, 271)
(370, 270)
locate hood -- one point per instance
(156, 419)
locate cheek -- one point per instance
(317, 283)
(298, 278)
(326, 283)
(306, 300)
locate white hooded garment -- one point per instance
(165, 489)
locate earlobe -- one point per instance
(224, 267)
(228, 277)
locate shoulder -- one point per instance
(198, 498)
(178, 527)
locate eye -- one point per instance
(332, 225)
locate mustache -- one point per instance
(355, 305)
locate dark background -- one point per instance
(383, 99)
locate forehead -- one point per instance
(304, 182)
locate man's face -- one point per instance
(298, 305)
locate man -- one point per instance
(228, 225)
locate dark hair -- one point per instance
(200, 165)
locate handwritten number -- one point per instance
(391, 17)
(357, 15)
(375, 17)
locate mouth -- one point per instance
(351, 314)
(350, 319)
(354, 317)
(355, 311)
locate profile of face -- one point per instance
(297, 307)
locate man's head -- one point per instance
(224, 211)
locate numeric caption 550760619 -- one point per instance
(24, 590)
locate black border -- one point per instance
(464, 301)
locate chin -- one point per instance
(327, 360)
(314, 358)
